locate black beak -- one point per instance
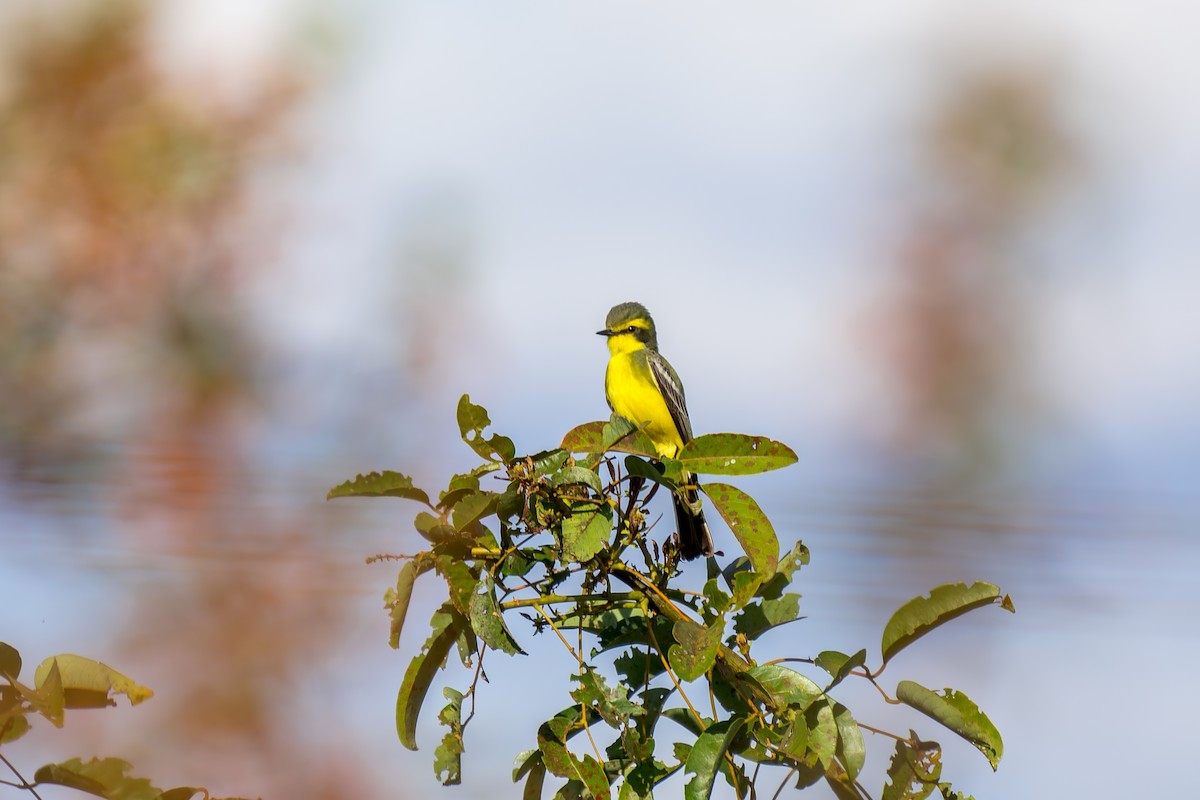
(604, 332)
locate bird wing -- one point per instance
(672, 391)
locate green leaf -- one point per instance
(695, 648)
(756, 619)
(648, 470)
(487, 620)
(533, 784)
(447, 624)
(640, 781)
(398, 599)
(734, 454)
(585, 438)
(822, 732)
(586, 530)
(460, 580)
(472, 508)
(611, 703)
(748, 523)
(957, 712)
(179, 793)
(623, 436)
(10, 661)
(379, 484)
(578, 475)
(472, 421)
(637, 666)
(913, 772)
(920, 615)
(434, 529)
(839, 665)
(708, 756)
(851, 750)
(89, 684)
(552, 736)
(13, 724)
(447, 759)
(49, 698)
(549, 462)
(795, 736)
(784, 687)
(949, 793)
(524, 762)
(103, 777)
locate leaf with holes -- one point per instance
(734, 454)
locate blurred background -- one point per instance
(946, 252)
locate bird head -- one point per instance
(629, 326)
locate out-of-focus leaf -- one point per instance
(398, 599)
(748, 523)
(695, 648)
(13, 724)
(48, 697)
(472, 421)
(707, 757)
(447, 624)
(89, 684)
(10, 661)
(180, 793)
(734, 454)
(488, 621)
(447, 759)
(957, 712)
(380, 484)
(920, 615)
(103, 777)
(586, 530)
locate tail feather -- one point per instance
(695, 539)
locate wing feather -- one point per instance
(672, 391)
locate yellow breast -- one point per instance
(633, 394)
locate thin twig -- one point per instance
(24, 783)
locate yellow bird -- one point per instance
(641, 386)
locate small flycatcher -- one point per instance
(643, 388)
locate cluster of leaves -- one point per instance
(70, 681)
(569, 523)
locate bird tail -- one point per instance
(695, 539)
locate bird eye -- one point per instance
(631, 329)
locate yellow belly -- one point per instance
(632, 394)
